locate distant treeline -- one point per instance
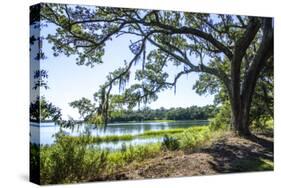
(189, 113)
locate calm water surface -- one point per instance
(44, 133)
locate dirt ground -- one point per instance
(228, 154)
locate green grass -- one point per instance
(161, 120)
(154, 120)
(126, 137)
(69, 162)
(99, 139)
(132, 153)
(188, 137)
(164, 121)
(160, 132)
(70, 159)
(194, 137)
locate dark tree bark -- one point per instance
(241, 100)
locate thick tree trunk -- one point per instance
(241, 97)
(240, 117)
(245, 118)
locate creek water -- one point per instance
(43, 133)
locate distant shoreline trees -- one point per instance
(179, 113)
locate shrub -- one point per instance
(262, 124)
(194, 137)
(140, 152)
(67, 161)
(170, 143)
(222, 120)
(73, 160)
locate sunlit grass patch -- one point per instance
(194, 137)
(161, 121)
(161, 132)
(113, 138)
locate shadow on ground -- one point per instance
(242, 155)
(229, 154)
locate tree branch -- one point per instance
(241, 47)
(193, 68)
(264, 52)
(187, 30)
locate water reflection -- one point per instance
(44, 133)
(120, 144)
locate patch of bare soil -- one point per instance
(222, 156)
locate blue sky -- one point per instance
(69, 81)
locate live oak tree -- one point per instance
(262, 102)
(233, 49)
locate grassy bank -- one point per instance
(71, 159)
(126, 137)
(153, 120)
(67, 162)
(161, 120)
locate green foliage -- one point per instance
(70, 160)
(222, 120)
(170, 143)
(97, 139)
(210, 84)
(262, 101)
(84, 106)
(262, 111)
(66, 162)
(96, 119)
(262, 108)
(161, 132)
(73, 159)
(172, 114)
(263, 124)
(41, 110)
(134, 153)
(194, 137)
(90, 114)
(160, 121)
(175, 38)
(113, 138)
